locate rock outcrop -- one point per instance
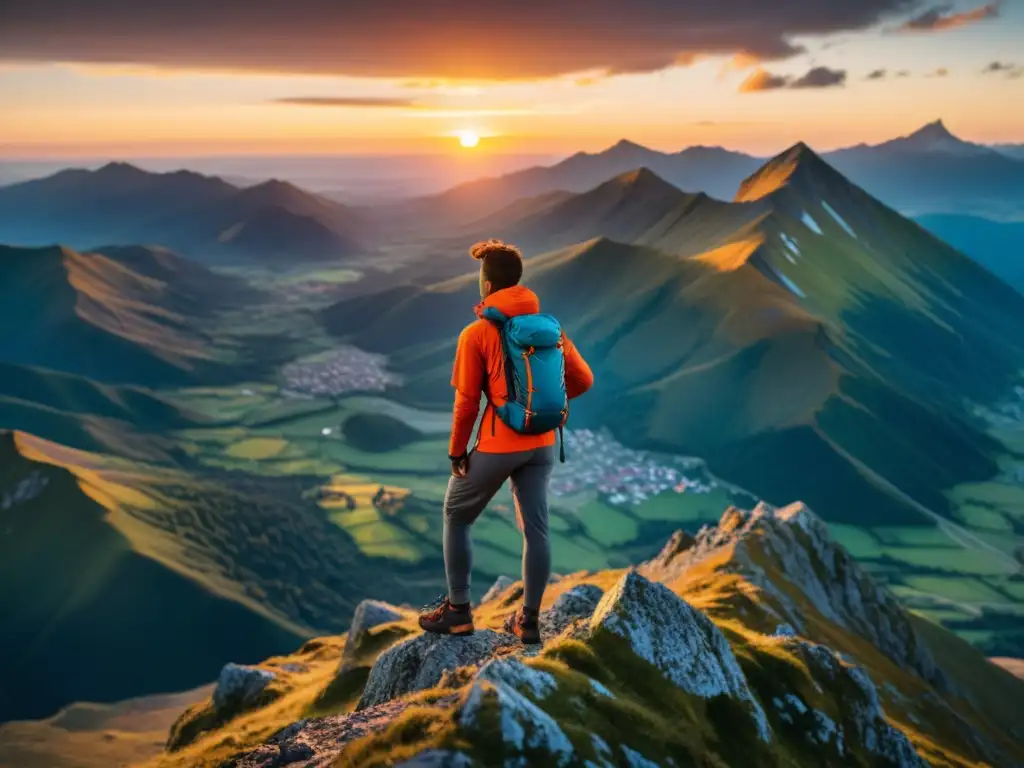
(637, 675)
(368, 615)
(238, 687)
(578, 602)
(420, 662)
(524, 729)
(797, 543)
(859, 722)
(684, 644)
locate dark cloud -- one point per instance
(820, 77)
(998, 66)
(468, 39)
(940, 72)
(903, 73)
(346, 101)
(816, 77)
(942, 17)
(878, 74)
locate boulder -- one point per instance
(684, 644)
(518, 676)
(369, 614)
(238, 687)
(500, 585)
(576, 603)
(419, 662)
(527, 730)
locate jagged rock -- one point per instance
(368, 614)
(829, 578)
(683, 643)
(525, 728)
(500, 585)
(680, 542)
(518, 676)
(863, 720)
(419, 662)
(239, 686)
(437, 758)
(576, 603)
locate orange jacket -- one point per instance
(480, 369)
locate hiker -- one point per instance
(528, 370)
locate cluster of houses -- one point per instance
(623, 476)
(345, 369)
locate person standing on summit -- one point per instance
(529, 370)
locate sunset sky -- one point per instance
(123, 78)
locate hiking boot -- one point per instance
(524, 624)
(446, 619)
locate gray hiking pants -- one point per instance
(466, 498)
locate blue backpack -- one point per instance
(534, 374)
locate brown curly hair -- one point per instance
(501, 264)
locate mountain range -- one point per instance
(929, 170)
(805, 339)
(201, 216)
(128, 314)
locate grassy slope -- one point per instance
(85, 735)
(69, 578)
(92, 315)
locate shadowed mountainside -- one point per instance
(202, 216)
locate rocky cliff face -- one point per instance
(758, 642)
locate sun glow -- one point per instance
(469, 139)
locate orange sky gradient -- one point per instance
(99, 109)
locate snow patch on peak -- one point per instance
(839, 219)
(793, 287)
(810, 223)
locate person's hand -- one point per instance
(460, 465)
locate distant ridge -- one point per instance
(201, 216)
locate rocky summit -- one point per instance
(757, 642)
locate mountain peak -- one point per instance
(122, 170)
(932, 131)
(796, 163)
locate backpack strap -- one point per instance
(561, 446)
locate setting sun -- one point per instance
(469, 139)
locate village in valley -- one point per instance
(623, 476)
(340, 371)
